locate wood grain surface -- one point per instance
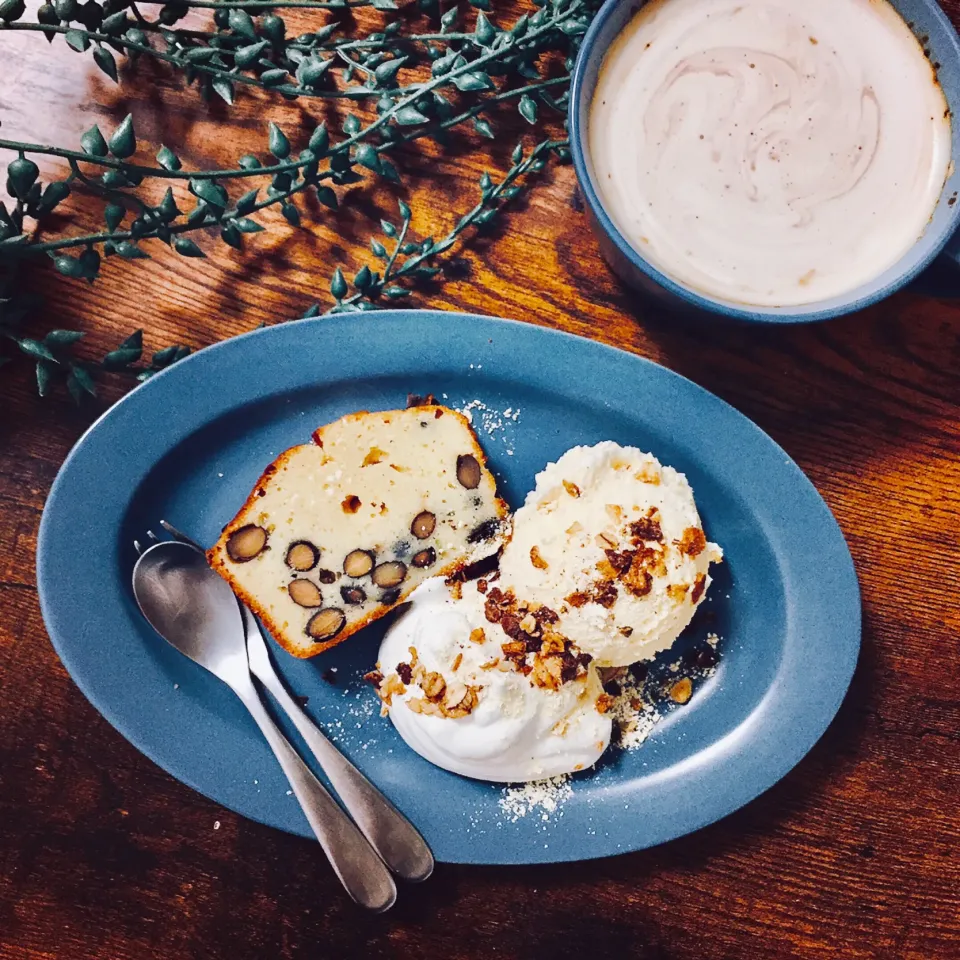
(855, 855)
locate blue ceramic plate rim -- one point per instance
(577, 118)
(802, 699)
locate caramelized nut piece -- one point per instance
(605, 702)
(326, 624)
(571, 488)
(477, 635)
(423, 525)
(468, 471)
(433, 685)
(536, 558)
(389, 574)
(358, 563)
(681, 691)
(351, 504)
(353, 595)
(305, 594)
(425, 558)
(246, 543)
(302, 556)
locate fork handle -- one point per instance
(360, 870)
(389, 831)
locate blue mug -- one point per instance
(940, 239)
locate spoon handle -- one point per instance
(393, 836)
(360, 870)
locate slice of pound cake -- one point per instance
(338, 531)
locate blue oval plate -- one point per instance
(188, 445)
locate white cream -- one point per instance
(598, 491)
(518, 731)
(769, 152)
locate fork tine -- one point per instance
(153, 536)
(137, 547)
(179, 535)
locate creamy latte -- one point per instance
(769, 152)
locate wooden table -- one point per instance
(856, 854)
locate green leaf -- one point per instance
(83, 380)
(169, 355)
(312, 70)
(278, 142)
(528, 108)
(363, 279)
(338, 286)
(246, 225)
(230, 235)
(62, 338)
(273, 78)
(327, 197)
(34, 348)
(404, 209)
(210, 192)
(368, 157)
(480, 4)
(291, 214)
(105, 61)
(21, 175)
(128, 352)
(224, 89)
(198, 214)
(396, 292)
(472, 81)
(389, 172)
(484, 129)
(66, 10)
(384, 5)
(242, 25)
(351, 126)
(168, 159)
(246, 56)
(123, 143)
(248, 201)
(115, 24)
(379, 250)
(90, 261)
(409, 115)
(319, 140)
(130, 251)
(55, 193)
(517, 154)
(46, 371)
(113, 214)
(249, 162)
(187, 248)
(388, 228)
(274, 27)
(313, 311)
(387, 72)
(485, 31)
(78, 40)
(167, 208)
(449, 19)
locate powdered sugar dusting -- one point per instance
(539, 796)
(491, 422)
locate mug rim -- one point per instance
(578, 121)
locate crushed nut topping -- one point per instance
(374, 677)
(477, 635)
(681, 691)
(571, 488)
(693, 542)
(699, 585)
(605, 702)
(678, 592)
(433, 685)
(351, 504)
(536, 558)
(405, 672)
(647, 528)
(457, 662)
(615, 512)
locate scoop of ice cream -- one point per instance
(611, 540)
(460, 702)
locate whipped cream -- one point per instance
(771, 152)
(586, 504)
(516, 731)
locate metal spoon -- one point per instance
(192, 608)
(394, 838)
